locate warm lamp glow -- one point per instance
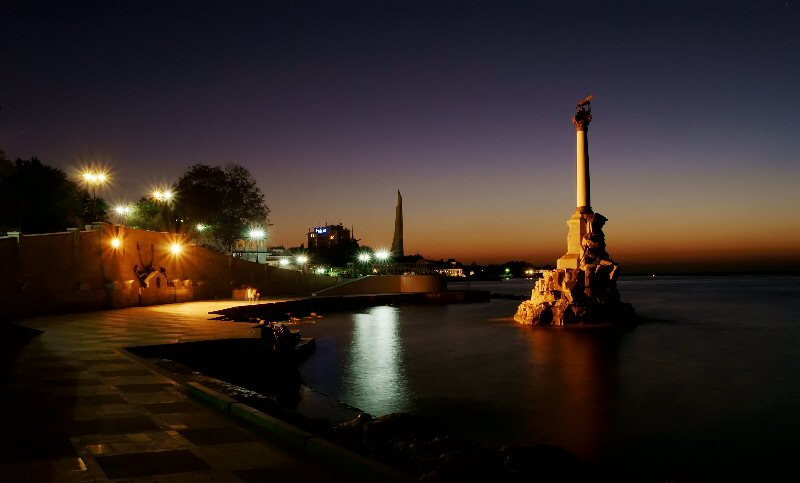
(123, 210)
(163, 195)
(93, 177)
(176, 248)
(115, 242)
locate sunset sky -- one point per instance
(464, 106)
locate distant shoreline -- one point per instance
(793, 273)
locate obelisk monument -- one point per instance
(583, 287)
(397, 240)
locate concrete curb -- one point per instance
(321, 449)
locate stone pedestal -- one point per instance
(577, 224)
(583, 289)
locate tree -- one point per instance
(145, 216)
(36, 198)
(225, 200)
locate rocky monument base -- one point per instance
(583, 289)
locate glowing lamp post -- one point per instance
(256, 235)
(382, 256)
(94, 179)
(302, 260)
(162, 197)
(364, 258)
(123, 212)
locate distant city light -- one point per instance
(302, 259)
(320, 270)
(364, 257)
(382, 255)
(200, 227)
(115, 242)
(257, 233)
(283, 262)
(176, 248)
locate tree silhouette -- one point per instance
(36, 198)
(225, 200)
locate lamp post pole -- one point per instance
(94, 179)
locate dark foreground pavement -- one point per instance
(74, 406)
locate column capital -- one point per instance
(581, 119)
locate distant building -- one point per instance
(451, 272)
(251, 249)
(326, 237)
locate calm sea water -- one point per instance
(708, 386)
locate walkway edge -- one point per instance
(322, 449)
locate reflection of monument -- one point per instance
(583, 288)
(397, 241)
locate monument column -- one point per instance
(581, 120)
(577, 223)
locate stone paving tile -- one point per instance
(80, 382)
(114, 444)
(100, 399)
(153, 397)
(172, 407)
(285, 474)
(178, 421)
(130, 381)
(150, 463)
(81, 391)
(82, 413)
(247, 455)
(61, 469)
(203, 436)
(197, 477)
(117, 425)
(142, 388)
(133, 371)
(44, 444)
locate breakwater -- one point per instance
(298, 308)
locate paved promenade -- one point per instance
(75, 407)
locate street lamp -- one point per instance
(364, 258)
(302, 260)
(94, 178)
(123, 212)
(256, 234)
(162, 197)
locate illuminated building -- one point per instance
(331, 236)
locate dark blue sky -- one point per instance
(463, 106)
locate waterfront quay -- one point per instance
(76, 406)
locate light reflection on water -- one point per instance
(708, 385)
(375, 379)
